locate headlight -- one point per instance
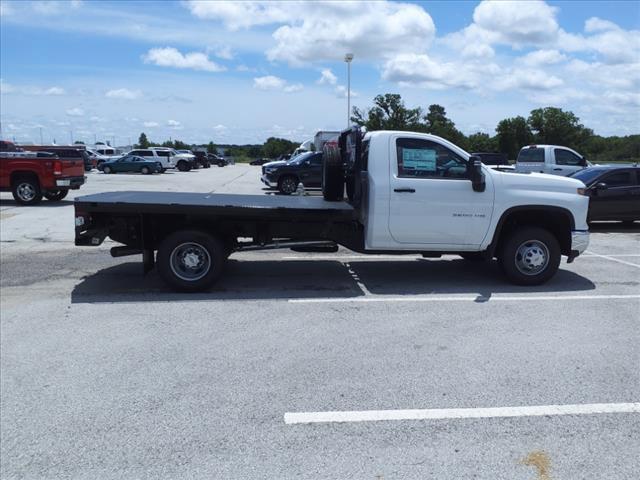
(582, 191)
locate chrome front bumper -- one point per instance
(579, 243)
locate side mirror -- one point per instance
(474, 168)
(601, 186)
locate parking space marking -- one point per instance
(292, 418)
(356, 279)
(462, 298)
(611, 257)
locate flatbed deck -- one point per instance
(262, 206)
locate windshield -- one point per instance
(300, 158)
(587, 175)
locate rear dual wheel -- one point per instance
(191, 260)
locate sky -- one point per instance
(240, 72)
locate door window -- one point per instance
(426, 159)
(618, 179)
(565, 157)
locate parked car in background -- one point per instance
(66, 152)
(613, 190)
(183, 161)
(164, 156)
(131, 163)
(202, 158)
(7, 146)
(552, 159)
(259, 161)
(306, 168)
(33, 175)
(102, 149)
(495, 160)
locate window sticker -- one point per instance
(419, 159)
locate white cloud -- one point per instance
(327, 77)
(270, 82)
(151, 124)
(529, 22)
(54, 91)
(97, 119)
(224, 52)
(341, 92)
(220, 128)
(30, 90)
(528, 80)
(123, 93)
(542, 57)
(171, 57)
(325, 30)
(75, 112)
(414, 69)
(174, 125)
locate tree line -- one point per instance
(272, 148)
(549, 125)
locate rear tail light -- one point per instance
(57, 167)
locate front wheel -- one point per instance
(287, 185)
(183, 166)
(530, 256)
(190, 260)
(107, 170)
(55, 195)
(145, 170)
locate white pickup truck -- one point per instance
(408, 193)
(551, 159)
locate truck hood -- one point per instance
(538, 182)
(275, 163)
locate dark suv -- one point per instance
(305, 168)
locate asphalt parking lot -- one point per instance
(108, 374)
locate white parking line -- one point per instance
(611, 257)
(458, 413)
(356, 279)
(461, 298)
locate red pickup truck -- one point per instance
(33, 175)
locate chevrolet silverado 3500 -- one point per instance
(407, 193)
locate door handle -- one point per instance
(557, 169)
(404, 190)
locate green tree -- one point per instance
(512, 135)
(211, 148)
(554, 126)
(143, 141)
(274, 147)
(78, 142)
(437, 123)
(482, 142)
(388, 113)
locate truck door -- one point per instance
(566, 162)
(431, 200)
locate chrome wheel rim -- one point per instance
(532, 257)
(190, 261)
(26, 192)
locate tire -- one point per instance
(145, 171)
(287, 184)
(162, 170)
(26, 191)
(107, 170)
(530, 256)
(55, 195)
(474, 257)
(332, 182)
(183, 166)
(190, 260)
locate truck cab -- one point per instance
(551, 159)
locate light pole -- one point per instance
(347, 58)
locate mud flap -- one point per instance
(148, 260)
